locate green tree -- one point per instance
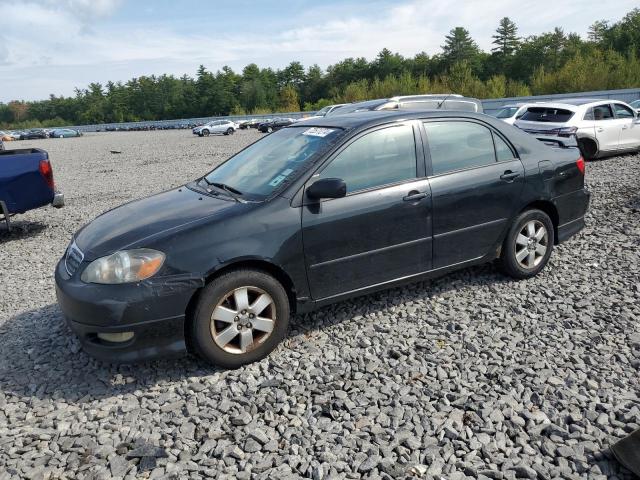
(460, 47)
(289, 101)
(506, 39)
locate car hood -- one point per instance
(131, 224)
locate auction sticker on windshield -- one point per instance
(318, 132)
(277, 180)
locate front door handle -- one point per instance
(600, 129)
(414, 196)
(624, 127)
(509, 176)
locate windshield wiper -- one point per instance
(232, 192)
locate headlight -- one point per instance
(124, 266)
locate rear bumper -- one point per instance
(58, 200)
(571, 211)
(153, 311)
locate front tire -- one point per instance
(205, 133)
(269, 129)
(528, 245)
(240, 318)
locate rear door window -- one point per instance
(546, 114)
(456, 145)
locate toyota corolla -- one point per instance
(313, 214)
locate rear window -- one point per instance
(545, 114)
(507, 112)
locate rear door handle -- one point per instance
(414, 196)
(624, 127)
(509, 176)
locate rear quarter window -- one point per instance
(545, 114)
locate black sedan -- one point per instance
(274, 124)
(34, 134)
(310, 215)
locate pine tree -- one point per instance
(506, 39)
(460, 47)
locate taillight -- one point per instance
(47, 172)
(580, 165)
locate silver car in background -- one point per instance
(224, 127)
(444, 101)
(601, 127)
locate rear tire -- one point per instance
(269, 129)
(528, 245)
(229, 131)
(240, 318)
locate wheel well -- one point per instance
(551, 210)
(589, 143)
(266, 267)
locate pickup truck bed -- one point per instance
(26, 182)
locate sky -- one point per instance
(53, 46)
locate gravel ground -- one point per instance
(472, 375)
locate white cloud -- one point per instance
(52, 46)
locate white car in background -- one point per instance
(511, 112)
(601, 127)
(224, 127)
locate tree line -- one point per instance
(552, 62)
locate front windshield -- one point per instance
(507, 112)
(258, 170)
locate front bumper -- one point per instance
(153, 310)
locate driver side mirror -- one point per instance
(327, 188)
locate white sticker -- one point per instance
(278, 180)
(318, 131)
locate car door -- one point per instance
(607, 127)
(216, 126)
(476, 181)
(629, 129)
(381, 230)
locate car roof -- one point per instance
(426, 96)
(572, 103)
(372, 118)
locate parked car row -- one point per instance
(146, 127)
(36, 133)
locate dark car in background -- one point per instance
(64, 133)
(33, 134)
(252, 123)
(310, 215)
(274, 124)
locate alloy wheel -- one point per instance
(243, 319)
(532, 243)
